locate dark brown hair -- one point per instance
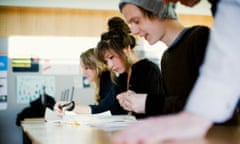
(116, 39)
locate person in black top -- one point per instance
(147, 19)
(180, 62)
(134, 75)
(100, 78)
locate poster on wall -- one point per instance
(81, 82)
(3, 81)
(3, 93)
(86, 83)
(25, 65)
(29, 88)
(3, 63)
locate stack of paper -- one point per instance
(104, 120)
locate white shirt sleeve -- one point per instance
(217, 89)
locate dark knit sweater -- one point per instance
(180, 66)
(145, 78)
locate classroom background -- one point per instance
(40, 45)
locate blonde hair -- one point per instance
(89, 59)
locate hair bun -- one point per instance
(118, 24)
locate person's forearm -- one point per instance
(82, 109)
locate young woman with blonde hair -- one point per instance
(100, 78)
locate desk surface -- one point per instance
(59, 133)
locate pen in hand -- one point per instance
(67, 104)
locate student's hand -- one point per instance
(131, 101)
(158, 129)
(59, 109)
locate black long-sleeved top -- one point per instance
(145, 78)
(107, 94)
(180, 66)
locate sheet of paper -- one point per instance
(112, 123)
(51, 116)
(104, 120)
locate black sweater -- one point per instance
(107, 94)
(180, 66)
(145, 78)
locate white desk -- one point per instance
(59, 133)
(53, 133)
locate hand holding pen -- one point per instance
(61, 106)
